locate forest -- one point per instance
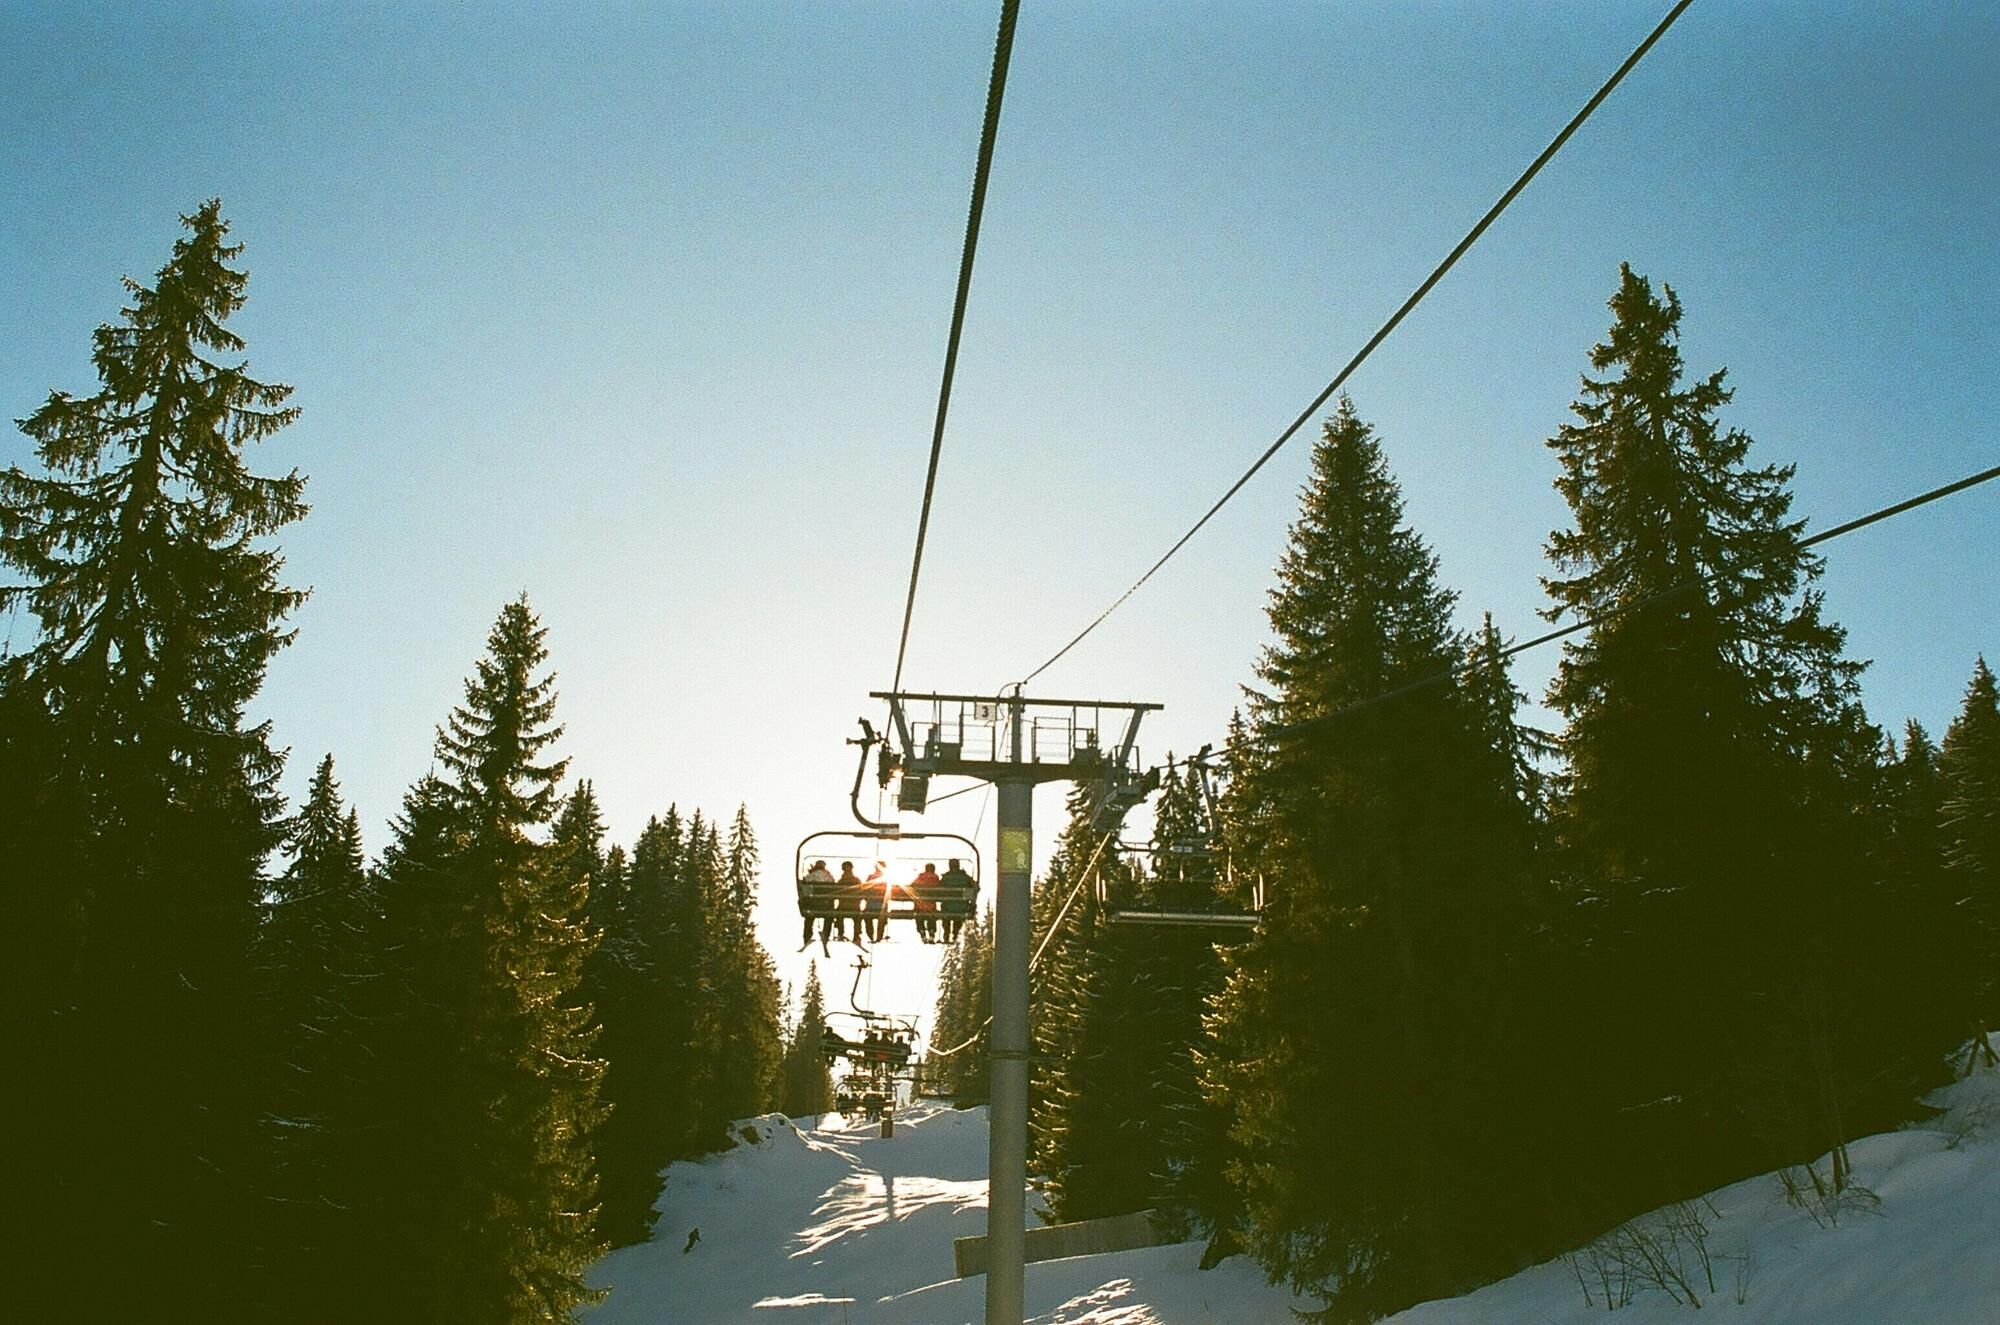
(253, 1075)
(1511, 987)
(1526, 983)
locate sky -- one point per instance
(640, 309)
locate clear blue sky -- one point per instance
(640, 308)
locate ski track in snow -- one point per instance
(831, 1225)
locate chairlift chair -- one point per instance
(1222, 918)
(898, 858)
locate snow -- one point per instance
(1928, 1254)
(828, 1224)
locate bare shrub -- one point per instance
(1665, 1251)
(1970, 1122)
(1745, 1262)
(1826, 1201)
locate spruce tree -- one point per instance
(321, 973)
(577, 843)
(808, 1084)
(964, 1008)
(740, 868)
(527, 1207)
(1356, 1056)
(747, 1045)
(646, 972)
(1116, 1118)
(1970, 817)
(423, 1087)
(143, 802)
(1916, 1004)
(1715, 760)
(700, 917)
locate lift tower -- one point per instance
(1012, 742)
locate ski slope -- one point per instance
(831, 1225)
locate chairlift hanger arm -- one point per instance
(854, 994)
(866, 741)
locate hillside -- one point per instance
(831, 1225)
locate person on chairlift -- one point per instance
(962, 904)
(812, 888)
(847, 897)
(875, 902)
(923, 889)
(831, 1042)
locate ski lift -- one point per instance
(882, 1046)
(1190, 882)
(894, 876)
(869, 1102)
(881, 1050)
(1216, 904)
(885, 873)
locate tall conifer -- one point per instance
(748, 1049)
(1389, 844)
(1715, 763)
(808, 1084)
(527, 1207)
(1970, 812)
(423, 1086)
(144, 803)
(321, 978)
(1117, 1117)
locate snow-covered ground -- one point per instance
(831, 1225)
(1921, 1246)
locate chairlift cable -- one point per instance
(996, 88)
(1089, 874)
(1874, 517)
(1382, 333)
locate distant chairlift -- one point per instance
(880, 1048)
(1222, 913)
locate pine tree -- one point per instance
(1916, 1004)
(658, 1036)
(528, 1205)
(747, 1045)
(1970, 815)
(321, 972)
(1115, 1117)
(1355, 1046)
(1716, 760)
(964, 1008)
(143, 804)
(423, 1087)
(808, 1085)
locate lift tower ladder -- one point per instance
(1012, 742)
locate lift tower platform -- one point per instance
(1012, 742)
